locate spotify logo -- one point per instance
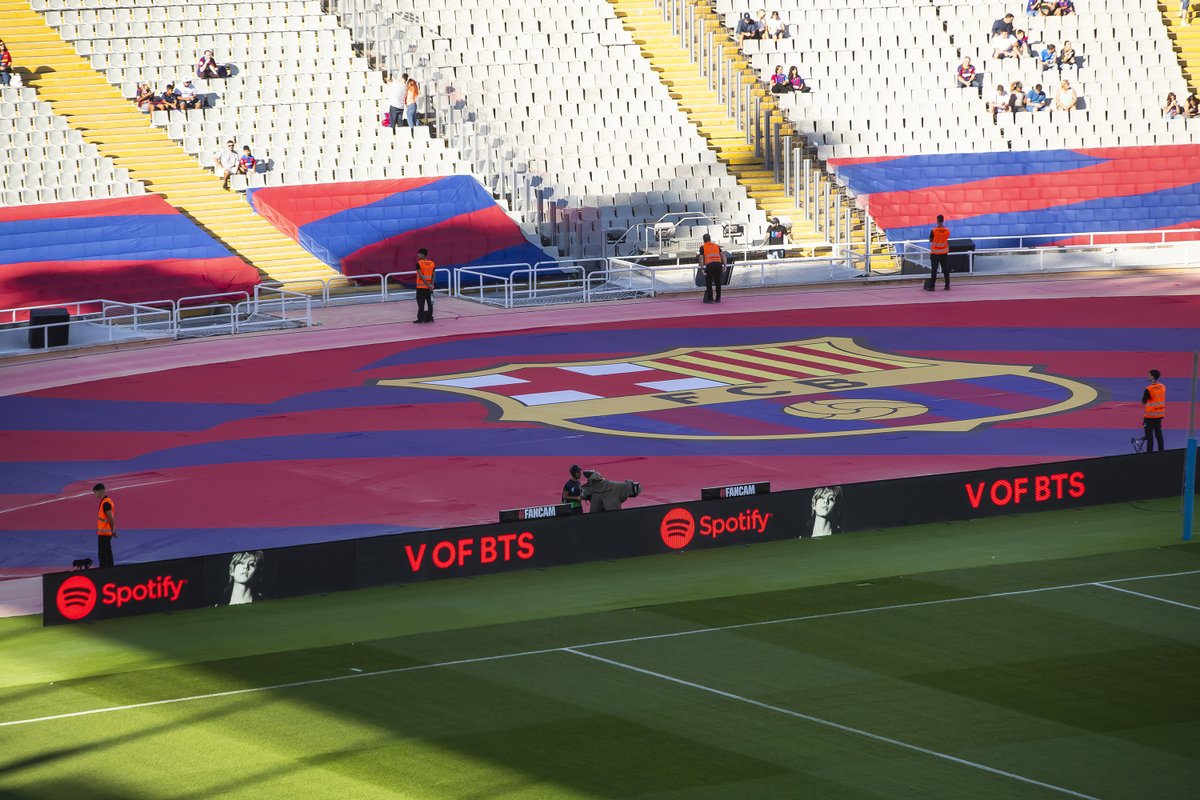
(76, 597)
(677, 528)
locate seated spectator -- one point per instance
(1016, 97)
(999, 102)
(188, 98)
(1022, 48)
(760, 23)
(226, 162)
(1049, 58)
(1005, 24)
(1172, 109)
(1037, 100)
(1066, 99)
(779, 81)
(746, 29)
(5, 65)
(965, 75)
(208, 68)
(247, 162)
(1003, 45)
(169, 100)
(1192, 107)
(1033, 7)
(1047, 8)
(145, 99)
(775, 27)
(796, 82)
(1064, 7)
(1066, 57)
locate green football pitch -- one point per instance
(1039, 656)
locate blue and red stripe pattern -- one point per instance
(129, 249)
(376, 227)
(1053, 194)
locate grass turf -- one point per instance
(1084, 689)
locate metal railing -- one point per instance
(370, 288)
(93, 322)
(100, 321)
(543, 283)
(626, 275)
(1040, 253)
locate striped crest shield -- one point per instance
(821, 387)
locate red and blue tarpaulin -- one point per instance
(376, 227)
(129, 249)
(328, 441)
(1050, 193)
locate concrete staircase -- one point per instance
(707, 112)
(1186, 40)
(95, 108)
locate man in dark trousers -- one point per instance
(106, 525)
(1154, 401)
(571, 489)
(712, 261)
(425, 270)
(939, 252)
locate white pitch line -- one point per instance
(503, 656)
(82, 494)
(293, 685)
(835, 725)
(1148, 596)
(896, 606)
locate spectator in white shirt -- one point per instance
(227, 163)
(1066, 99)
(999, 102)
(396, 89)
(1003, 45)
(775, 26)
(188, 97)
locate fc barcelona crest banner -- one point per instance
(821, 387)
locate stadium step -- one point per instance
(689, 88)
(704, 109)
(1186, 39)
(120, 131)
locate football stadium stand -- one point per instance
(888, 116)
(906, 100)
(80, 94)
(1185, 37)
(45, 161)
(565, 88)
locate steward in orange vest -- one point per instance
(106, 525)
(425, 272)
(939, 251)
(1154, 402)
(712, 261)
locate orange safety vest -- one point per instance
(425, 269)
(939, 240)
(711, 252)
(1156, 406)
(103, 528)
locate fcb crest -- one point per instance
(828, 386)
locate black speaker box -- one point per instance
(57, 335)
